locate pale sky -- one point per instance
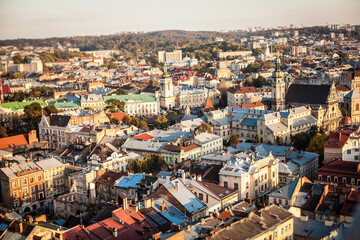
(61, 18)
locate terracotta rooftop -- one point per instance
(208, 105)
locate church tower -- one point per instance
(278, 101)
(167, 99)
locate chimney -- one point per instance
(147, 203)
(115, 233)
(29, 219)
(177, 186)
(21, 227)
(125, 203)
(163, 207)
(202, 220)
(304, 218)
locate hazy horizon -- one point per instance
(47, 19)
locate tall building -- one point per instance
(167, 98)
(278, 102)
(168, 57)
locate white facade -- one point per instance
(251, 174)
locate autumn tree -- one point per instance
(3, 132)
(50, 109)
(143, 125)
(204, 127)
(114, 105)
(161, 122)
(234, 140)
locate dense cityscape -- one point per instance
(243, 134)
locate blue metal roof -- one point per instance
(249, 122)
(130, 182)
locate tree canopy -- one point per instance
(161, 122)
(204, 127)
(150, 163)
(114, 105)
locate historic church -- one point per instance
(322, 99)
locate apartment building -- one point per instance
(251, 174)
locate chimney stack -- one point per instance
(177, 186)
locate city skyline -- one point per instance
(43, 19)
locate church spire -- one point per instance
(208, 105)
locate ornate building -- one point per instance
(167, 98)
(278, 102)
(322, 99)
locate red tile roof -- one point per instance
(242, 90)
(249, 105)
(351, 203)
(337, 139)
(117, 115)
(143, 136)
(126, 224)
(14, 141)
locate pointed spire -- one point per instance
(208, 105)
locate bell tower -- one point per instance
(167, 99)
(278, 101)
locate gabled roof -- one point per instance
(311, 94)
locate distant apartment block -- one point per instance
(173, 56)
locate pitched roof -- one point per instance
(143, 136)
(208, 105)
(311, 94)
(117, 115)
(235, 90)
(13, 141)
(352, 94)
(58, 120)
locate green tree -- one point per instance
(257, 138)
(143, 125)
(257, 51)
(114, 121)
(161, 122)
(204, 127)
(126, 120)
(50, 109)
(33, 112)
(300, 141)
(134, 121)
(114, 105)
(344, 112)
(150, 163)
(18, 59)
(120, 91)
(317, 146)
(3, 132)
(234, 140)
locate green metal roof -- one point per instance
(21, 105)
(132, 97)
(65, 104)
